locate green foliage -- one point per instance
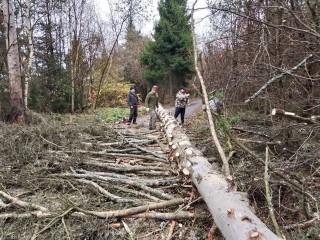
(224, 124)
(114, 95)
(218, 94)
(171, 51)
(234, 119)
(50, 92)
(110, 114)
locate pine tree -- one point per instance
(168, 59)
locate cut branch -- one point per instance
(134, 183)
(165, 216)
(125, 168)
(23, 203)
(277, 77)
(291, 115)
(135, 156)
(132, 211)
(110, 195)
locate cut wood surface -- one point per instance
(230, 209)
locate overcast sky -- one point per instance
(201, 19)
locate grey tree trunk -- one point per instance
(230, 209)
(31, 52)
(17, 113)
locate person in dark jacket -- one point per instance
(133, 103)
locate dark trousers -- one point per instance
(180, 111)
(133, 114)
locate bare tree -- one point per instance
(29, 30)
(17, 113)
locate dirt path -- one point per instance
(143, 120)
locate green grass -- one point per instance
(106, 114)
(111, 114)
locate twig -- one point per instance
(128, 230)
(54, 220)
(50, 142)
(66, 228)
(205, 96)
(171, 229)
(251, 132)
(259, 142)
(189, 204)
(268, 195)
(303, 224)
(137, 193)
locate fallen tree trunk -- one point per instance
(230, 209)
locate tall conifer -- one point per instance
(168, 59)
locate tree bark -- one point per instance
(29, 29)
(17, 113)
(230, 209)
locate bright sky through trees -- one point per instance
(146, 27)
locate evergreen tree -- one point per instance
(168, 59)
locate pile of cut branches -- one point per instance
(276, 161)
(89, 181)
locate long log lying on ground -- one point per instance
(230, 209)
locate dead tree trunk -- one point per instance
(230, 209)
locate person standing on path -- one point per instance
(133, 103)
(151, 103)
(182, 100)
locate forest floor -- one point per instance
(83, 178)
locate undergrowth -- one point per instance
(294, 154)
